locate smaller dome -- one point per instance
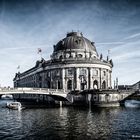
(74, 34)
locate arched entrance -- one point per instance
(95, 84)
(69, 85)
(104, 85)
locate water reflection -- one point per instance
(69, 123)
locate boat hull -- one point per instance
(132, 103)
(14, 105)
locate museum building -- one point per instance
(73, 65)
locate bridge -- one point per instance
(86, 96)
(57, 94)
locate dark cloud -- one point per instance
(33, 5)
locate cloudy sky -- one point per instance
(26, 25)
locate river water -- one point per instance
(69, 123)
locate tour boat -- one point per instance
(14, 105)
(7, 97)
(132, 103)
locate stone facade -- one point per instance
(74, 65)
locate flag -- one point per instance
(39, 50)
(18, 67)
(108, 54)
(108, 51)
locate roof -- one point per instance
(75, 40)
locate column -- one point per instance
(91, 81)
(74, 79)
(63, 79)
(110, 78)
(87, 79)
(107, 79)
(77, 79)
(100, 84)
(43, 79)
(72, 83)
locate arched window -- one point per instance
(76, 41)
(104, 85)
(69, 85)
(60, 57)
(71, 55)
(83, 83)
(104, 72)
(80, 55)
(95, 84)
(67, 55)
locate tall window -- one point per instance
(79, 55)
(48, 74)
(104, 85)
(69, 85)
(83, 71)
(59, 85)
(70, 72)
(95, 72)
(48, 84)
(95, 84)
(104, 72)
(57, 73)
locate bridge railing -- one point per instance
(24, 89)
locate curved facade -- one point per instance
(74, 65)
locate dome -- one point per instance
(75, 41)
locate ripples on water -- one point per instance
(69, 123)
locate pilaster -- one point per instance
(91, 81)
(77, 79)
(63, 79)
(100, 82)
